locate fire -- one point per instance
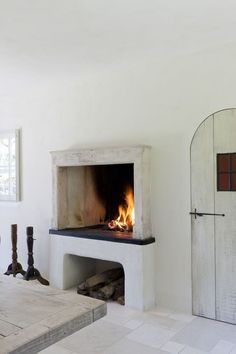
(125, 220)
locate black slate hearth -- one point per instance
(99, 233)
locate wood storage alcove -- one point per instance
(105, 280)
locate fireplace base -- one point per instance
(138, 262)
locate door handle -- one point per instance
(195, 213)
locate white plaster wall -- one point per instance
(99, 73)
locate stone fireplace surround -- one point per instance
(71, 254)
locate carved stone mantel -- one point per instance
(138, 155)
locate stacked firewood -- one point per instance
(108, 285)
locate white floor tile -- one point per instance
(160, 312)
(151, 336)
(222, 347)
(162, 321)
(126, 346)
(204, 334)
(56, 349)
(233, 351)
(182, 317)
(133, 324)
(95, 338)
(120, 315)
(172, 347)
(190, 350)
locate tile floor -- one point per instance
(127, 331)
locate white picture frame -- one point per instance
(10, 165)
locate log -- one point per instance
(105, 293)
(121, 300)
(101, 279)
(120, 290)
(105, 286)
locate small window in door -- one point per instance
(226, 172)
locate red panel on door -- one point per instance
(233, 162)
(223, 162)
(224, 182)
(233, 182)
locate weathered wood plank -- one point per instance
(225, 227)
(203, 247)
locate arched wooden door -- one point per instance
(213, 191)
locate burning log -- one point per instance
(125, 220)
(117, 226)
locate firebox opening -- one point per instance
(96, 195)
(115, 188)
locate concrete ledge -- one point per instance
(36, 316)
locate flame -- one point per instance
(125, 220)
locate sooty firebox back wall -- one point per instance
(111, 183)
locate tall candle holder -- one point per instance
(32, 272)
(14, 268)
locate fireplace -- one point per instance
(96, 199)
(101, 210)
